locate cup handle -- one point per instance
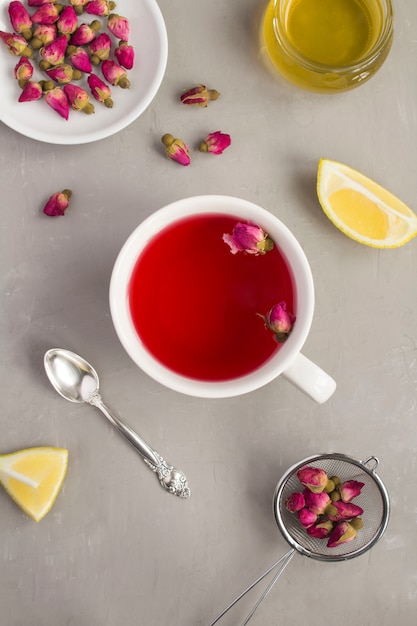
(310, 378)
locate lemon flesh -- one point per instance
(44, 467)
(362, 209)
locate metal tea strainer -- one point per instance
(373, 499)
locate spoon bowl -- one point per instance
(70, 375)
(77, 381)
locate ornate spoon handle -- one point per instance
(172, 479)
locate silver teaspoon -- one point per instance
(77, 381)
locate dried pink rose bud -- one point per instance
(350, 489)
(199, 96)
(345, 511)
(16, 44)
(118, 26)
(42, 35)
(20, 19)
(99, 7)
(78, 98)
(125, 55)
(31, 91)
(58, 101)
(100, 48)
(38, 3)
(79, 5)
(100, 90)
(47, 14)
(316, 502)
(320, 530)
(62, 74)
(307, 518)
(343, 532)
(114, 74)
(58, 203)
(79, 58)
(53, 53)
(85, 33)
(215, 143)
(295, 502)
(176, 149)
(68, 21)
(248, 238)
(280, 322)
(23, 71)
(313, 478)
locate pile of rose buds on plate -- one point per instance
(69, 43)
(325, 508)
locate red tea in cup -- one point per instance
(198, 308)
(192, 308)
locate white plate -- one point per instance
(38, 121)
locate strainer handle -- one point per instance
(287, 558)
(283, 561)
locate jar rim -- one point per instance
(323, 68)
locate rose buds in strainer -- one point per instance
(342, 533)
(344, 511)
(295, 502)
(313, 478)
(325, 508)
(350, 489)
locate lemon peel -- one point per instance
(33, 478)
(361, 208)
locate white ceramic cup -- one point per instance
(287, 361)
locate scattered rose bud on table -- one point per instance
(176, 149)
(57, 203)
(199, 96)
(215, 143)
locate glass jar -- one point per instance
(328, 45)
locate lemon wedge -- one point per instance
(362, 209)
(33, 478)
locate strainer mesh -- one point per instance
(373, 500)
